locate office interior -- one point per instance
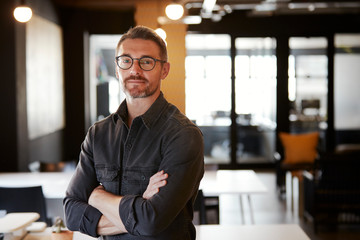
(248, 71)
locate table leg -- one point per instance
(242, 210)
(301, 198)
(251, 210)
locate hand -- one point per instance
(108, 204)
(157, 181)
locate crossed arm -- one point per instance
(107, 203)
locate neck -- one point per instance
(138, 106)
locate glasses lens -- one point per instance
(124, 62)
(147, 63)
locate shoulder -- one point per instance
(179, 123)
(105, 124)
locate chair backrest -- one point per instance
(24, 199)
(340, 171)
(199, 206)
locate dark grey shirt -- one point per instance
(123, 160)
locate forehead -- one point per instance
(139, 47)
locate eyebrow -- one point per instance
(128, 55)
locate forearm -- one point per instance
(108, 204)
(81, 217)
(105, 227)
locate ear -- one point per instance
(165, 70)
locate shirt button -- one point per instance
(143, 177)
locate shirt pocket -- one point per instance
(137, 179)
(108, 176)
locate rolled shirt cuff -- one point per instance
(90, 221)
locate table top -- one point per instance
(46, 235)
(13, 222)
(54, 184)
(251, 232)
(215, 232)
(231, 182)
(213, 183)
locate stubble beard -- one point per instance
(136, 91)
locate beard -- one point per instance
(138, 90)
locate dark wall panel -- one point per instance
(77, 26)
(8, 139)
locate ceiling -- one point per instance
(223, 7)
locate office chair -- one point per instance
(24, 199)
(203, 204)
(199, 206)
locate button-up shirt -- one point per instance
(123, 159)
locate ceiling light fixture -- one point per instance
(174, 11)
(22, 13)
(208, 5)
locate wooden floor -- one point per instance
(270, 209)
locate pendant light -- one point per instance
(23, 13)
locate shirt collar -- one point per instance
(149, 117)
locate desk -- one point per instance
(251, 232)
(46, 235)
(240, 182)
(215, 232)
(54, 184)
(214, 183)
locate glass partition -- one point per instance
(255, 99)
(308, 84)
(208, 92)
(105, 94)
(346, 88)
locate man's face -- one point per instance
(136, 82)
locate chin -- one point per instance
(137, 93)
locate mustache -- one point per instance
(135, 78)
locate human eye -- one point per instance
(147, 61)
(125, 60)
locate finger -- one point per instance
(162, 177)
(149, 193)
(158, 185)
(159, 176)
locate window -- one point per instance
(208, 91)
(255, 96)
(105, 94)
(308, 84)
(208, 96)
(346, 82)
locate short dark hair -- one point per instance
(145, 33)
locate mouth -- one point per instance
(136, 79)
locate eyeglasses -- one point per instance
(146, 63)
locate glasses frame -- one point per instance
(138, 59)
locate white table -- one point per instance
(216, 232)
(54, 184)
(239, 182)
(214, 183)
(13, 222)
(251, 232)
(46, 235)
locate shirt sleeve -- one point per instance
(79, 215)
(183, 160)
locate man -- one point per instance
(140, 168)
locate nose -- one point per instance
(135, 68)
